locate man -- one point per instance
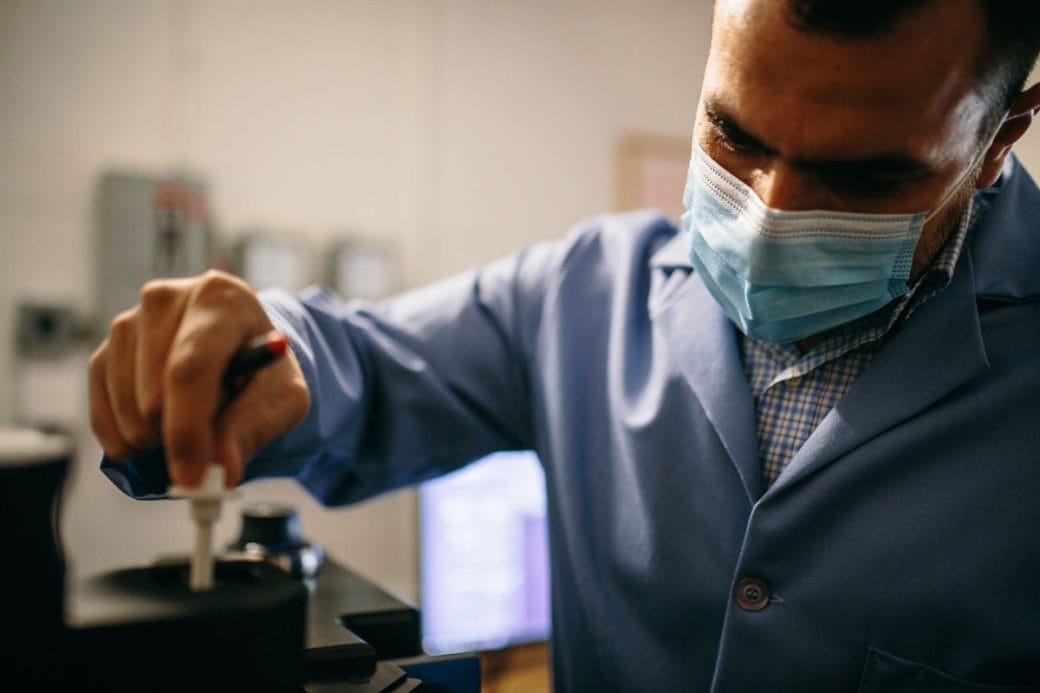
(841, 493)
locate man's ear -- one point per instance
(1020, 116)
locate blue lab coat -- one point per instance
(900, 550)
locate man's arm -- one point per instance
(399, 391)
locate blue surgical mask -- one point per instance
(782, 276)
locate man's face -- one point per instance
(810, 121)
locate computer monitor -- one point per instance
(484, 563)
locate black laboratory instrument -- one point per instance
(268, 623)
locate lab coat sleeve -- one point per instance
(404, 389)
(412, 387)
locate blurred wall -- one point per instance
(460, 130)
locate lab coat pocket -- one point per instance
(888, 673)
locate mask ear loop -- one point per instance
(964, 175)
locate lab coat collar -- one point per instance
(1004, 247)
(703, 343)
(675, 254)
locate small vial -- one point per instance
(205, 510)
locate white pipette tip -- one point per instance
(205, 509)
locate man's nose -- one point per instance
(780, 187)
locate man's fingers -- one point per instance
(273, 403)
(190, 384)
(160, 311)
(158, 378)
(119, 384)
(102, 420)
(220, 316)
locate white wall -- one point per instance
(461, 130)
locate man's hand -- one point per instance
(156, 379)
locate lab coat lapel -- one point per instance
(704, 344)
(939, 348)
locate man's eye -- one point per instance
(734, 143)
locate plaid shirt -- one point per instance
(793, 391)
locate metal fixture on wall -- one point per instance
(148, 226)
(356, 268)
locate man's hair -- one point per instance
(1012, 36)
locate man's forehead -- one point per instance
(913, 88)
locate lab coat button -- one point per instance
(752, 594)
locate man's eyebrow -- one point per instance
(891, 164)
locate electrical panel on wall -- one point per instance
(149, 226)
